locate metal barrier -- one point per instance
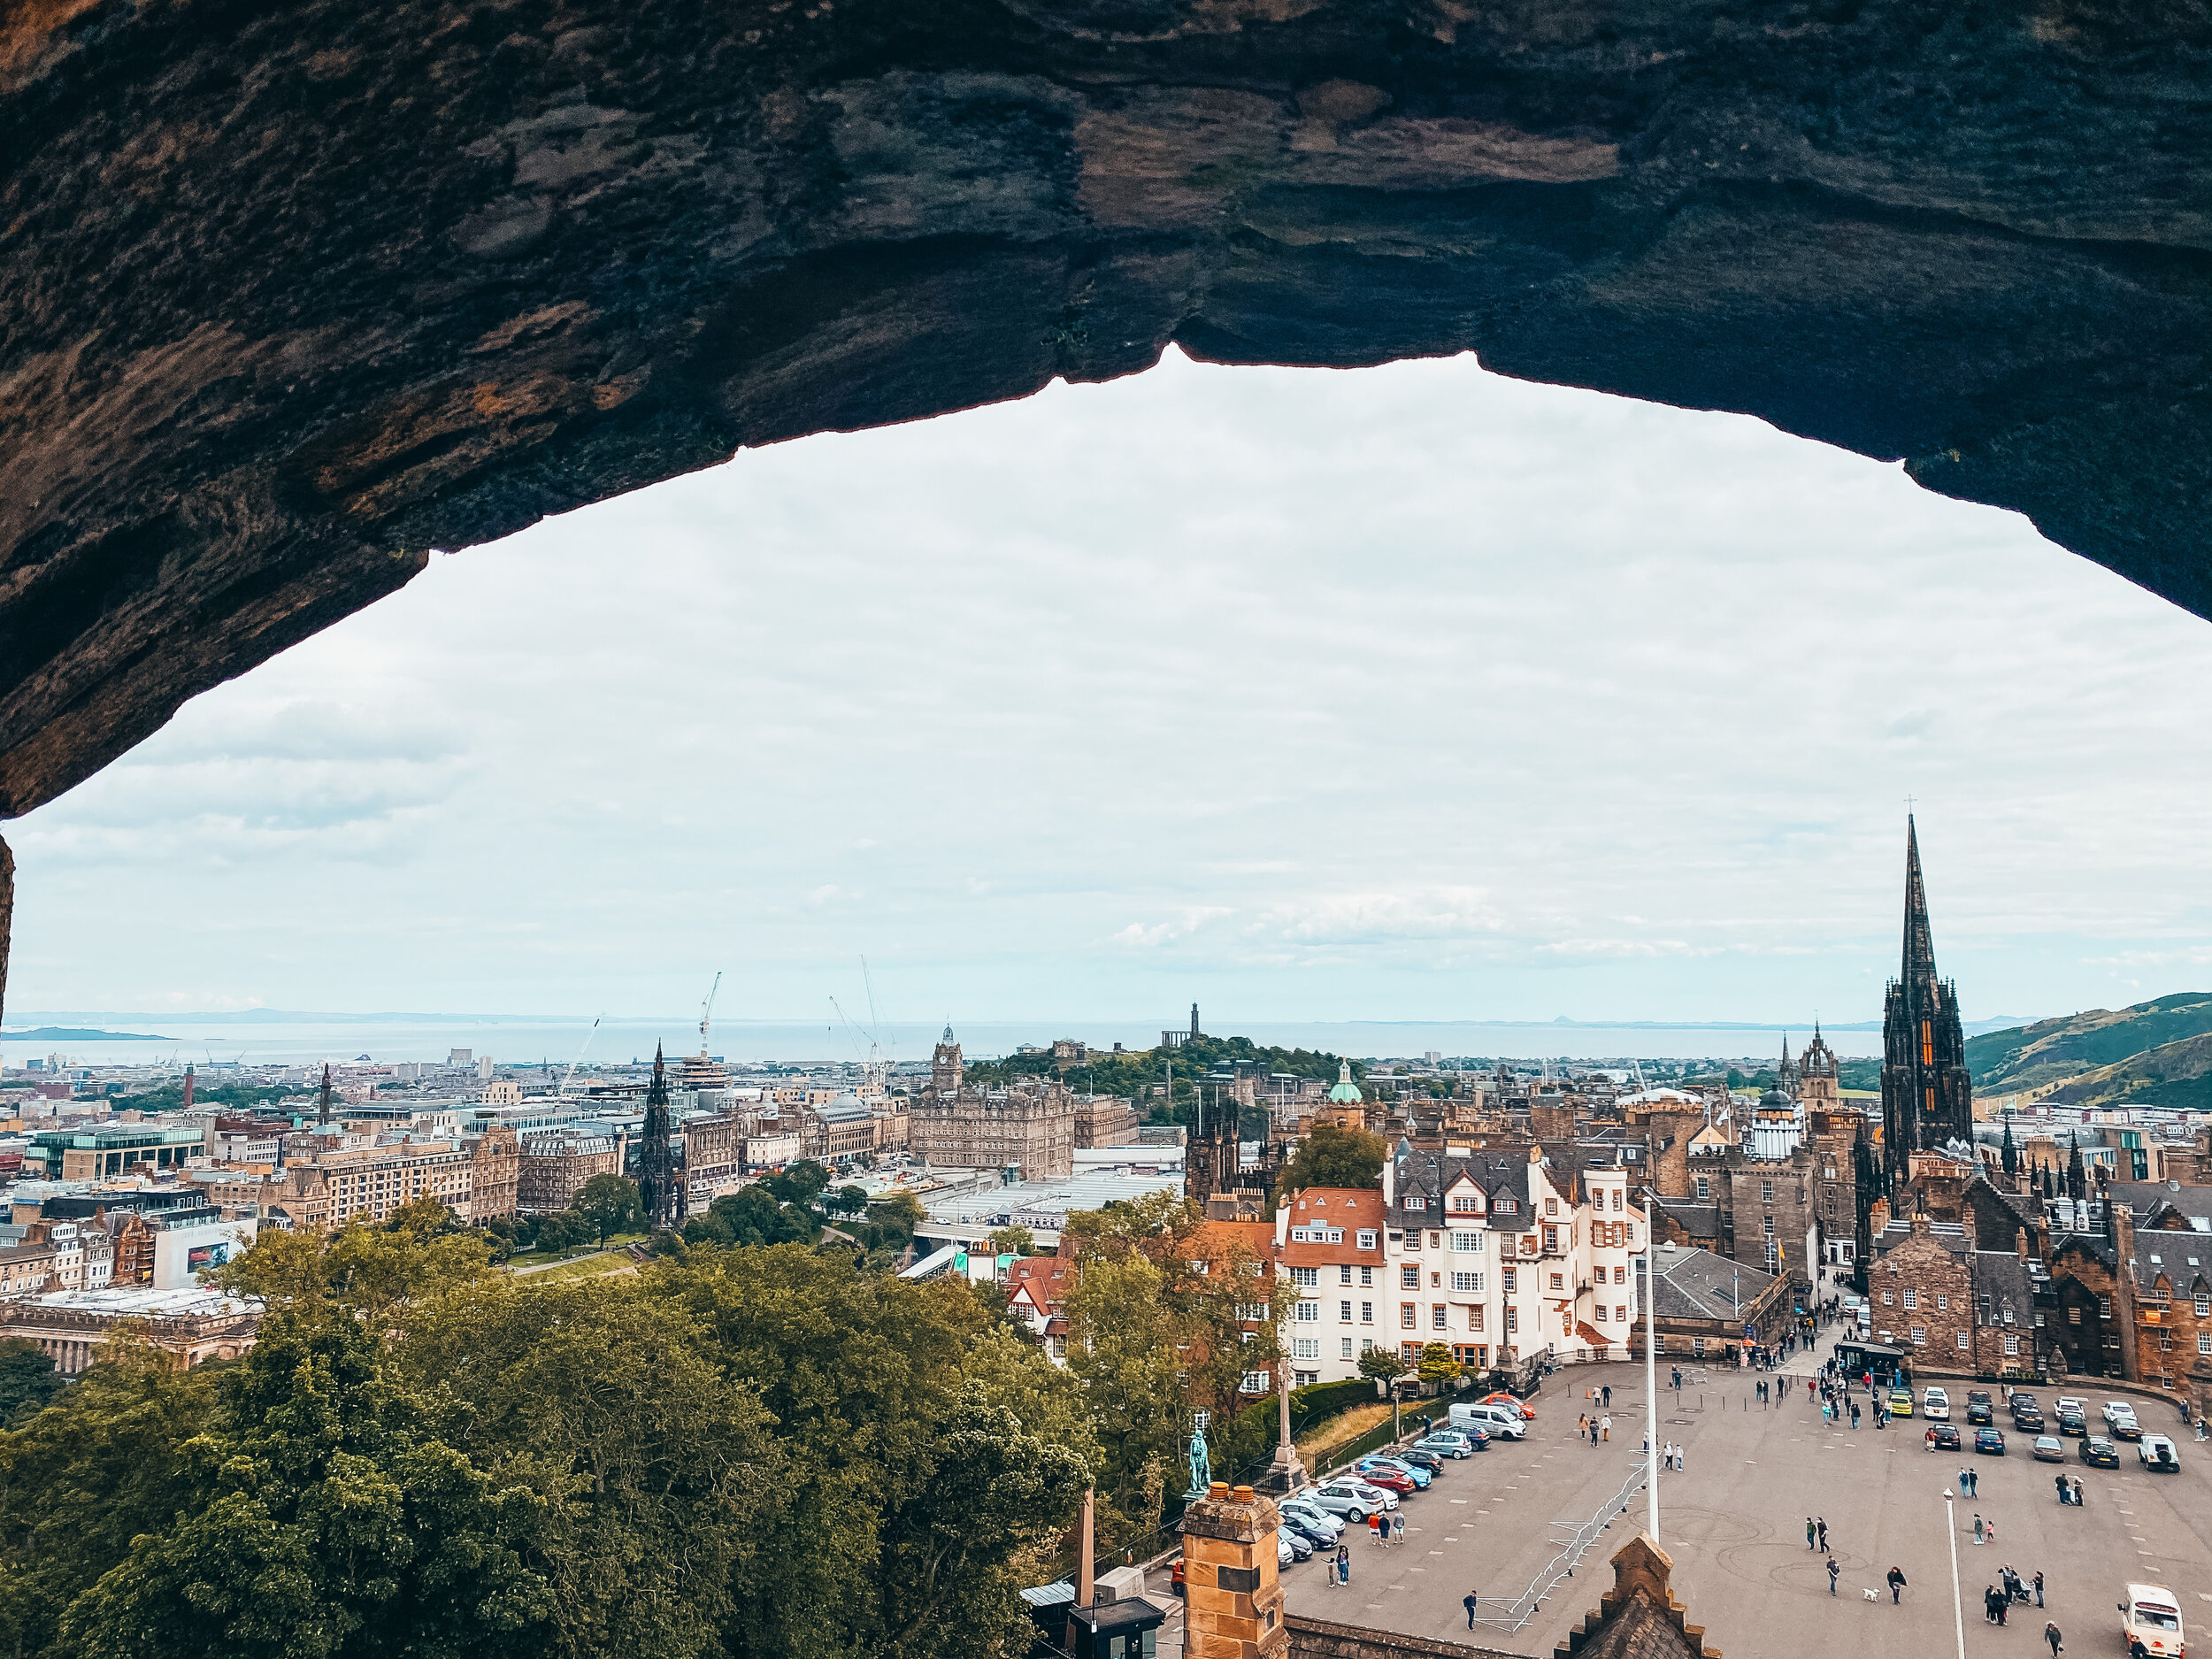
(1581, 1538)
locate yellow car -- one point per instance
(1900, 1402)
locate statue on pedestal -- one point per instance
(1201, 1465)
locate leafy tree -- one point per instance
(751, 1215)
(560, 1231)
(1121, 1349)
(28, 1380)
(1384, 1365)
(81, 1479)
(891, 1219)
(797, 1183)
(1014, 1241)
(607, 1205)
(845, 1200)
(375, 1274)
(1331, 1156)
(1436, 1364)
(323, 1523)
(423, 1217)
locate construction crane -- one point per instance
(706, 1012)
(579, 1060)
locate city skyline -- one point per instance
(1412, 693)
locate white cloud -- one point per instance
(1403, 692)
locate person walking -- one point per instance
(1470, 1605)
(1832, 1571)
(1896, 1584)
(2051, 1635)
(2004, 1602)
(1978, 1530)
(2077, 1492)
(1823, 1524)
(2065, 1492)
(1966, 1481)
(1343, 1564)
(1854, 1414)
(1401, 1532)
(1810, 1534)
(1606, 1423)
(1374, 1528)
(1609, 1396)
(1582, 1424)
(2038, 1587)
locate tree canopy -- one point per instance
(609, 1204)
(1331, 1156)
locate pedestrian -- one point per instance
(2077, 1492)
(1823, 1524)
(1992, 1532)
(1810, 1534)
(1973, 1483)
(1978, 1528)
(1401, 1529)
(1343, 1564)
(1470, 1605)
(1582, 1425)
(1966, 1481)
(1374, 1528)
(2051, 1635)
(2038, 1587)
(1832, 1571)
(1896, 1584)
(1989, 1605)
(1607, 1423)
(2065, 1494)
(2004, 1604)
(1609, 1396)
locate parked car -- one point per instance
(1353, 1500)
(2099, 1452)
(1977, 1397)
(1175, 1579)
(2158, 1456)
(1989, 1442)
(1900, 1402)
(2119, 1421)
(1414, 1473)
(1420, 1459)
(1291, 1546)
(1935, 1405)
(1317, 1521)
(1512, 1402)
(1389, 1480)
(2072, 1423)
(1980, 1413)
(2029, 1421)
(2049, 1449)
(2070, 1402)
(1452, 1442)
(1942, 1437)
(1307, 1528)
(2150, 1622)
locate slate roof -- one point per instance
(1700, 1284)
(1500, 1171)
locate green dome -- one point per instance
(1346, 1091)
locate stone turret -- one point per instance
(1233, 1597)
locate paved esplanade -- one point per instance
(1733, 1520)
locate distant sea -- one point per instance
(268, 1037)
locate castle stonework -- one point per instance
(1233, 1598)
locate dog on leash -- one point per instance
(1871, 1596)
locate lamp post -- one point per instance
(1958, 1605)
(1651, 1378)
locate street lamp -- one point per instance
(1958, 1604)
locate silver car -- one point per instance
(1353, 1500)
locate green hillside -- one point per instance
(2028, 1056)
(2173, 1077)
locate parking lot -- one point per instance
(1733, 1519)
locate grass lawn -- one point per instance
(584, 1267)
(1344, 1427)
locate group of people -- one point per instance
(1594, 1429)
(1387, 1529)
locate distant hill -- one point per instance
(76, 1033)
(2102, 1043)
(2173, 1077)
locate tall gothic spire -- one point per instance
(1919, 965)
(322, 1113)
(658, 1195)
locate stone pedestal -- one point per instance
(1284, 1478)
(1233, 1599)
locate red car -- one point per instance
(1391, 1480)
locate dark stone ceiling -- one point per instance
(293, 294)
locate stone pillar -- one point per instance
(1286, 1474)
(1234, 1600)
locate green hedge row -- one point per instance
(1253, 1435)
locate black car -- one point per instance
(1977, 1397)
(2029, 1421)
(2073, 1423)
(2022, 1400)
(1979, 1411)
(1312, 1531)
(1989, 1442)
(1429, 1461)
(1942, 1437)
(2100, 1452)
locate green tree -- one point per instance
(375, 1274)
(1013, 1240)
(1436, 1364)
(1331, 1156)
(323, 1523)
(80, 1480)
(751, 1215)
(797, 1183)
(1384, 1365)
(607, 1205)
(28, 1380)
(845, 1200)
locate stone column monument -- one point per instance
(1234, 1600)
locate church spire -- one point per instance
(1919, 967)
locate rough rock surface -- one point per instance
(293, 294)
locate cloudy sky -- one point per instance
(1407, 692)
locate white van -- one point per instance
(2150, 1621)
(1492, 1420)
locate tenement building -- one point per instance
(1329, 1241)
(1028, 1128)
(1927, 1101)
